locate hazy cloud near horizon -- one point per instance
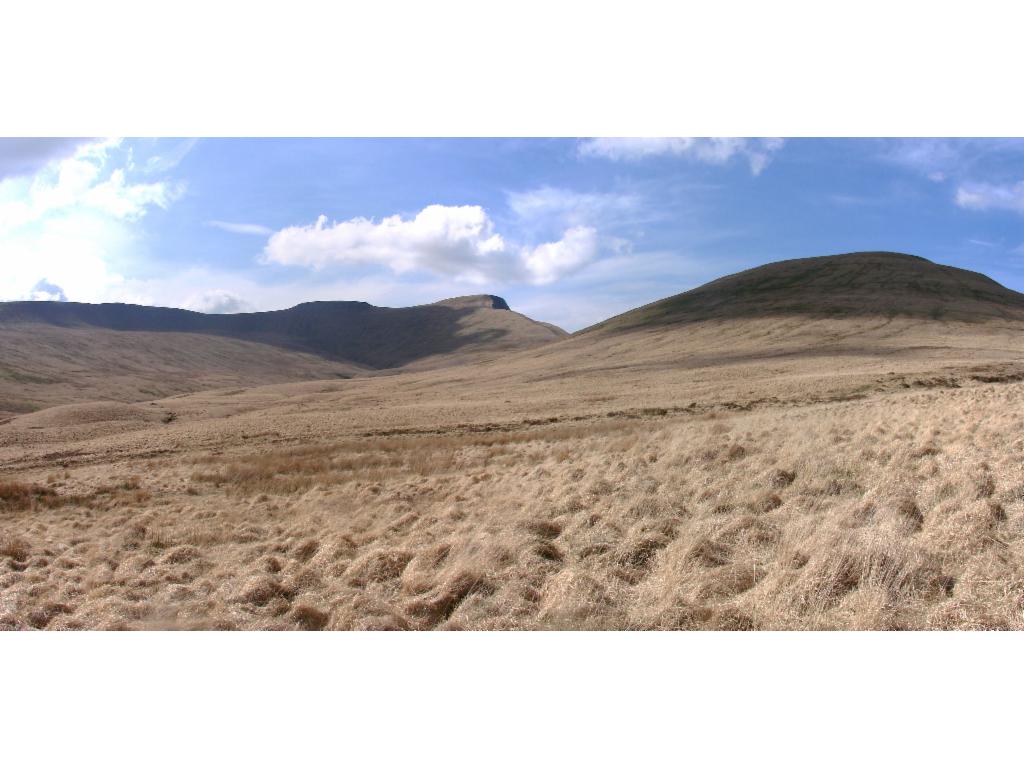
(44, 290)
(217, 302)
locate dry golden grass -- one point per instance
(902, 510)
(707, 464)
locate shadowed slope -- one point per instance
(65, 352)
(349, 331)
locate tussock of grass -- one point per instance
(17, 496)
(14, 547)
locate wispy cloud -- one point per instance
(571, 207)
(170, 159)
(981, 196)
(715, 151)
(980, 171)
(241, 228)
(935, 159)
(954, 160)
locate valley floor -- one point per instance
(897, 505)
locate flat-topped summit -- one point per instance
(480, 301)
(879, 283)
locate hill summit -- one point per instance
(878, 283)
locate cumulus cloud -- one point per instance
(982, 196)
(44, 290)
(217, 302)
(714, 151)
(455, 241)
(550, 261)
(68, 221)
(241, 228)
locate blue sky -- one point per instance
(568, 230)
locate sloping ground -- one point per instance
(903, 509)
(779, 469)
(63, 352)
(43, 365)
(871, 284)
(869, 309)
(792, 358)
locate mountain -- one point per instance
(880, 284)
(58, 352)
(850, 315)
(838, 322)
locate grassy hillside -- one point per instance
(879, 284)
(777, 469)
(65, 352)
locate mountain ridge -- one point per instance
(341, 331)
(59, 352)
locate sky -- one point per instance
(569, 231)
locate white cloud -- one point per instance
(715, 151)
(72, 250)
(217, 302)
(241, 228)
(44, 290)
(128, 201)
(69, 222)
(550, 261)
(982, 196)
(454, 241)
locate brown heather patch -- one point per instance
(14, 547)
(17, 496)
